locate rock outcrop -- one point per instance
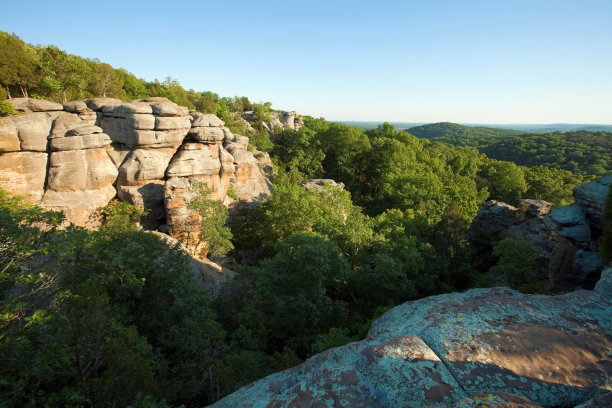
(320, 184)
(564, 237)
(150, 153)
(489, 345)
(285, 120)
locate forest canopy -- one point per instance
(115, 317)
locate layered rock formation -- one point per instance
(485, 346)
(286, 120)
(150, 153)
(563, 237)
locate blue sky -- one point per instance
(468, 61)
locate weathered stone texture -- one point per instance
(485, 347)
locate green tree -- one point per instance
(99, 318)
(66, 75)
(104, 81)
(293, 287)
(213, 217)
(515, 264)
(133, 87)
(504, 180)
(19, 66)
(551, 184)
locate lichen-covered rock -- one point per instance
(604, 285)
(601, 401)
(569, 221)
(495, 399)
(554, 351)
(398, 372)
(493, 347)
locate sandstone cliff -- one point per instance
(150, 153)
(495, 347)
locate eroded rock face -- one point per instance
(57, 159)
(592, 198)
(28, 105)
(249, 182)
(24, 174)
(496, 221)
(497, 345)
(320, 184)
(148, 152)
(563, 237)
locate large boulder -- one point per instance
(79, 182)
(28, 105)
(291, 120)
(24, 174)
(146, 123)
(496, 346)
(496, 221)
(591, 197)
(249, 181)
(565, 238)
(33, 130)
(9, 139)
(321, 185)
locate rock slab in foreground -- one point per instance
(439, 351)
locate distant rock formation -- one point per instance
(150, 153)
(563, 237)
(320, 184)
(458, 349)
(286, 120)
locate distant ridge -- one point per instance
(460, 134)
(523, 127)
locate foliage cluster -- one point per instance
(102, 318)
(581, 152)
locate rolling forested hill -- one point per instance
(582, 152)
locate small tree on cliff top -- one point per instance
(212, 225)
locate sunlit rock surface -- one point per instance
(150, 152)
(493, 346)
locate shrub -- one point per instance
(7, 109)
